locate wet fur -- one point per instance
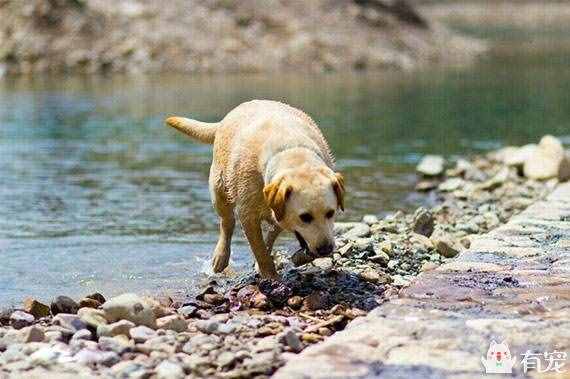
(270, 162)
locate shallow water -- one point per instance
(96, 194)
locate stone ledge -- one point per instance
(512, 285)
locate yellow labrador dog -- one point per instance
(271, 164)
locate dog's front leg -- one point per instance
(271, 236)
(252, 230)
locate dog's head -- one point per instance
(305, 203)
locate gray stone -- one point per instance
(130, 307)
(69, 321)
(292, 340)
(83, 334)
(93, 357)
(446, 246)
(20, 319)
(187, 311)
(431, 165)
(119, 344)
(92, 317)
(32, 334)
(116, 328)
(324, 264)
(226, 358)
(423, 222)
(142, 333)
(63, 304)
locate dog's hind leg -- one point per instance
(225, 210)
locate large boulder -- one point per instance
(548, 160)
(130, 307)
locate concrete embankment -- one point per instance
(512, 286)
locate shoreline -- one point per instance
(244, 326)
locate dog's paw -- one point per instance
(220, 261)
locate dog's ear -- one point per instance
(338, 187)
(276, 195)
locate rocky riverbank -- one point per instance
(221, 36)
(248, 327)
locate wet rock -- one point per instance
(89, 303)
(446, 246)
(169, 370)
(431, 165)
(295, 302)
(20, 319)
(317, 300)
(142, 333)
(35, 308)
(302, 257)
(277, 291)
(130, 307)
(548, 160)
(116, 328)
(423, 222)
(172, 322)
(64, 304)
(92, 317)
(69, 321)
(214, 298)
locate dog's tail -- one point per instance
(201, 131)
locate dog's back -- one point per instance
(256, 130)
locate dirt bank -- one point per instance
(221, 36)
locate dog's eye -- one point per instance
(306, 218)
(329, 214)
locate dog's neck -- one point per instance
(281, 161)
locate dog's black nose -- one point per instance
(325, 249)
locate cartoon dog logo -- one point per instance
(499, 359)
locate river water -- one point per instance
(97, 194)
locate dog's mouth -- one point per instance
(302, 241)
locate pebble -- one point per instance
(359, 230)
(324, 264)
(93, 357)
(119, 344)
(169, 370)
(82, 334)
(20, 319)
(446, 247)
(130, 307)
(116, 328)
(370, 220)
(187, 311)
(92, 317)
(63, 304)
(89, 303)
(548, 160)
(226, 358)
(292, 340)
(69, 321)
(374, 276)
(32, 334)
(35, 308)
(172, 322)
(142, 333)
(431, 165)
(423, 222)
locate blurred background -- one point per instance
(95, 193)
